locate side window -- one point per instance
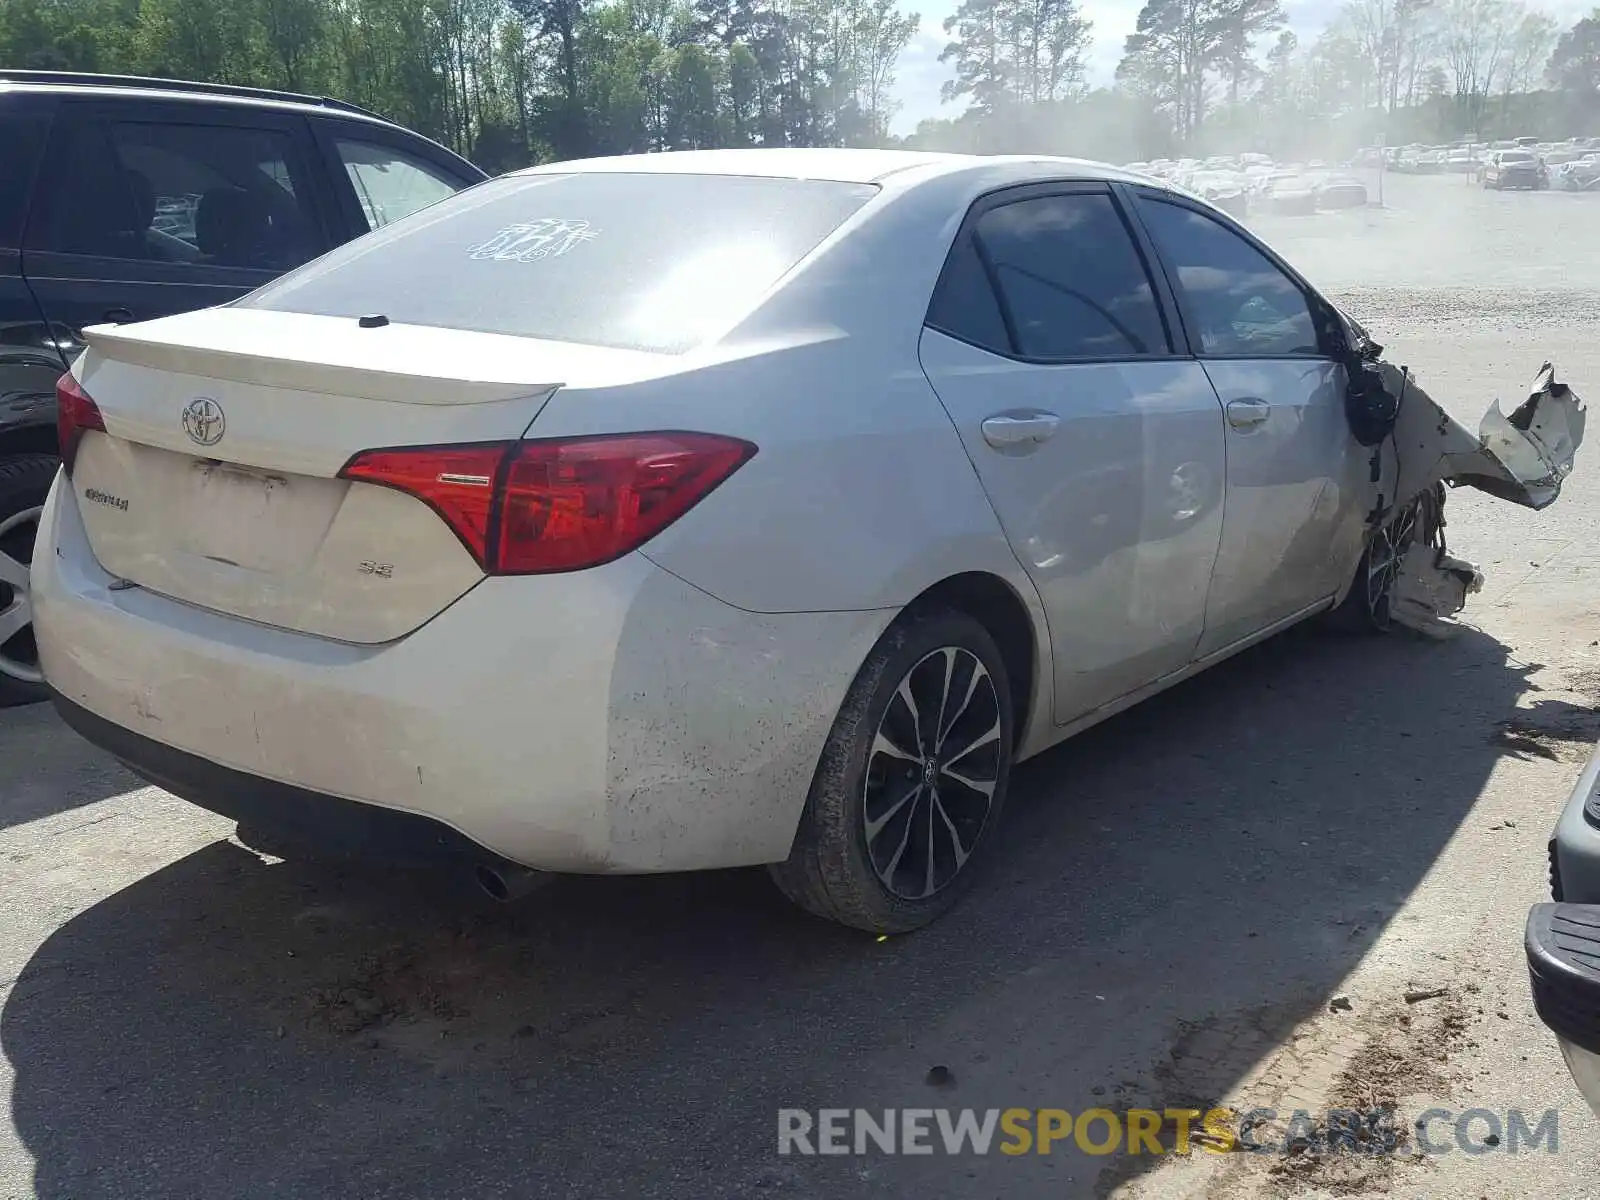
(963, 302)
(22, 137)
(1071, 279)
(1242, 303)
(390, 183)
(204, 195)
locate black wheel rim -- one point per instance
(1385, 554)
(932, 771)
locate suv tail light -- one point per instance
(75, 413)
(535, 507)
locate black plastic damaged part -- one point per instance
(1369, 407)
(1563, 946)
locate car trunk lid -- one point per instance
(216, 478)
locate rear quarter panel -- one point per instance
(859, 496)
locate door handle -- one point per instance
(1243, 414)
(1004, 431)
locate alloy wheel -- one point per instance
(19, 656)
(1385, 554)
(931, 774)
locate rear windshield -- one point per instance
(1516, 156)
(646, 261)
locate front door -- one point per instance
(1100, 447)
(1293, 473)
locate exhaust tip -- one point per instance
(507, 884)
(492, 882)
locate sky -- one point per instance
(920, 72)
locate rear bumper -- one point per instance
(313, 818)
(612, 720)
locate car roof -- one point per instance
(839, 165)
(79, 83)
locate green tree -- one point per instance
(985, 74)
(295, 34)
(1575, 62)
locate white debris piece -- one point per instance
(1539, 450)
(1430, 588)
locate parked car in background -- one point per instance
(127, 199)
(1341, 191)
(1228, 190)
(1580, 175)
(1289, 195)
(1515, 169)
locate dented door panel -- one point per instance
(1292, 499)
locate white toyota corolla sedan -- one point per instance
(696, 510)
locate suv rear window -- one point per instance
(643, 261)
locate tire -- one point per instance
(839, 870)
(24, 482)
(1365, 609)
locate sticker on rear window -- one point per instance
(531, 241)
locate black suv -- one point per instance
(128, 199)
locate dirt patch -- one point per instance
(1585, 681)
(1211, 1056)
(472, 989)
(1337, 1130)
(1407, 1056)
(386, 986)
(1407, 1053)
(1569, 737)
(1343, 1174)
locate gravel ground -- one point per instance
(1182, 891)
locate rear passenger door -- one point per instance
(1099, 442)
(148, 208)
(1294, 479)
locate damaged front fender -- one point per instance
(1522, 458)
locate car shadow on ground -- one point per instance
(49, 769)
(232, 1027)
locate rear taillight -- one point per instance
(75, 414)
(533, 507)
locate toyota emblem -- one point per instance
(203, 421)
